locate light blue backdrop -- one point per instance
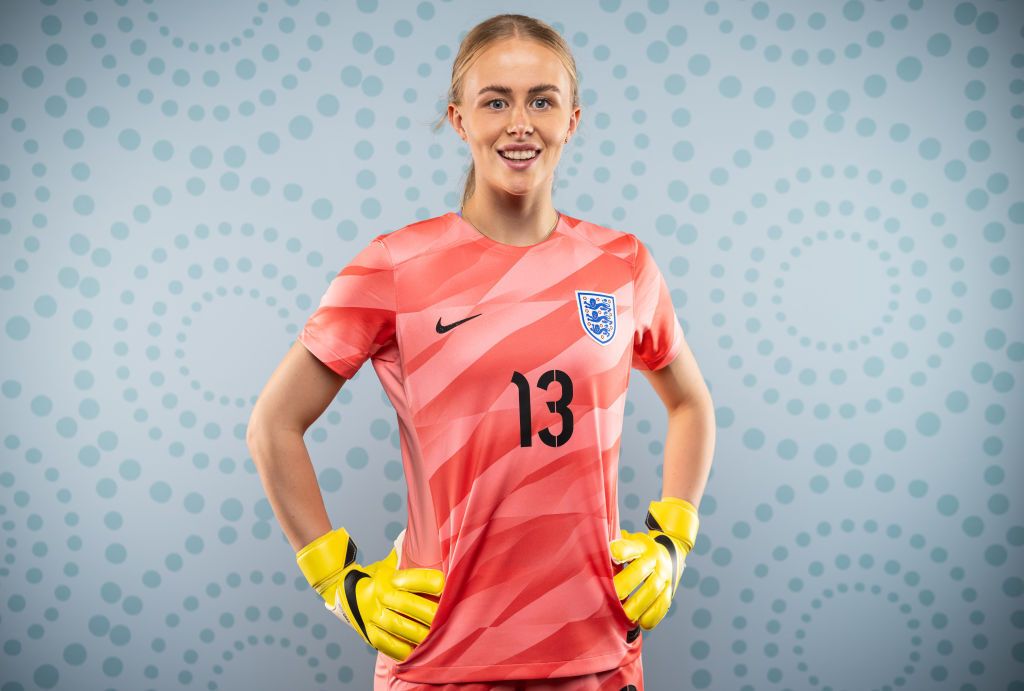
(833, 192)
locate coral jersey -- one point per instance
(507, 367)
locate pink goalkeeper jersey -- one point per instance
(507, 368)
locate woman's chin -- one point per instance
(519, 188)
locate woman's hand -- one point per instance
(654, 568)
(384, 605)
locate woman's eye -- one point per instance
(498, 100)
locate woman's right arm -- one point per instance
(297, 393)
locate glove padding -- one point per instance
(656, 559)
(379, 601)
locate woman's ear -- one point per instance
(456, 121)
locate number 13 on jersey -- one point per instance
(561, 406)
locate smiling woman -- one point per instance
(504, 336)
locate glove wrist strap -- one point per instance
(327, 556)
(675, 517)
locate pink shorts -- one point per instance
(629, 677)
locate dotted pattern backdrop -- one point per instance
(832, 190)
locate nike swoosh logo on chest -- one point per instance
(444, 328)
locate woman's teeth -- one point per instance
(518, 155)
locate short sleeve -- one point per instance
(658, 335)
(356, 316)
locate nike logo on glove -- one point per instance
(351, 579)
(444, 328)
(666, 542)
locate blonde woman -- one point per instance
(504, 335)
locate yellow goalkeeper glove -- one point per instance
(657, 559)
(378, 601)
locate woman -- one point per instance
(503, 335)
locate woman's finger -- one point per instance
(644, 596)
(402, 627)
(394, 647)
(634, 574)
(411, 605)
(656, 612)
(419, 580)
(626, 548)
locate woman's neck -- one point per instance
(513, 222)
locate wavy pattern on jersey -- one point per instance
(361, 297)
(450, 478)
(521, 531)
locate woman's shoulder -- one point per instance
(415, 236)
(621, 243)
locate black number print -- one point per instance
(561, 406)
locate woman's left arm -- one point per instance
(673, 521)
(690, 440)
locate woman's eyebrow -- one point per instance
(508, 90)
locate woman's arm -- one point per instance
(297, 393)
(690, 440)
(689, 448)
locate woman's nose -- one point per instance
(519, 120)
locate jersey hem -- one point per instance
(518, 671)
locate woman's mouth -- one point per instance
(523, 160)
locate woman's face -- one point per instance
(515, 92)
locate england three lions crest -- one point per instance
(597, 314)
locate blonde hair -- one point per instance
(479, 38)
